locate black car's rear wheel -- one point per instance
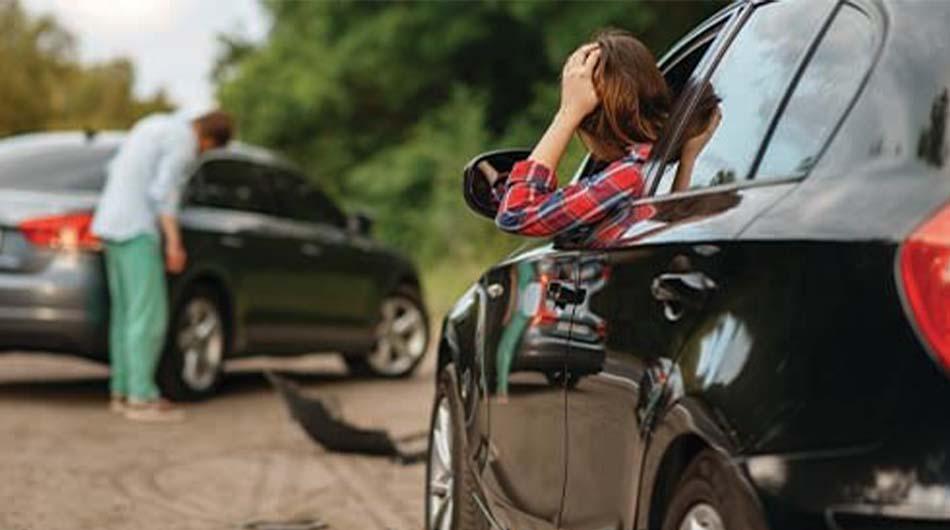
(402, 337)
(450, 504)
(192, 364)
(710, 496)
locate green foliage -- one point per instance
(383, 103)
(44, 86)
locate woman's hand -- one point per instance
(578, 96)
(695, 145)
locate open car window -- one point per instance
(748, 86)
(678, 70)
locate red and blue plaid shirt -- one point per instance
(534, 206)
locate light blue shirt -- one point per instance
(146, 177)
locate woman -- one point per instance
(615, 97)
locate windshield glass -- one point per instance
(51, 168)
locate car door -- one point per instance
(526, 323)
(228, 222)
(657, 267)
(336, 292)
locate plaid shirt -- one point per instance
(534, 206)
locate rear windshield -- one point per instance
(51, 168)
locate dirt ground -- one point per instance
(66, 463)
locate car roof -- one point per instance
(112, 139)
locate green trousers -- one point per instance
(139, 315)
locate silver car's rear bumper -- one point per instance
(61, 307)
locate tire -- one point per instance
(198, 339)
(712, 494)
(450, 478)
(386, 359)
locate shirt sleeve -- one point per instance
(534, 206)
(165, 191)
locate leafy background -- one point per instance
(381, 103)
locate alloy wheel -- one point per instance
(401, 337)
(441, 477)
(201, 343)
(702, 516)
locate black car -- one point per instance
(772, 345)
(274, 266)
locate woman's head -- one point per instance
(634, 97)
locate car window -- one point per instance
(300, 200)
(750, 82)
(821, 96)
(677, 73)
(231, 184)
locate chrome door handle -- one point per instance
(232, 241)
(309, 249)
(495, 290)
(679, 291)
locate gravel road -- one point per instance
(69, 464)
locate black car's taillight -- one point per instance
(925, 277)
(72, 231)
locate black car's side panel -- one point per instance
(525, 338)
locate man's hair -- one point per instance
(216, 125)
(634, 97)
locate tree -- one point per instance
(383, 103)
(45, 87)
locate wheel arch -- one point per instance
(676, 458)
(218, 282)
(686, 428)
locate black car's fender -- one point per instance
(686, 427)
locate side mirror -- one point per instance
(486, 173)
(360, 223)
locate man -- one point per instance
(141, 198)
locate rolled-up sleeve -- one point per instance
(534, 206)
(170, 178)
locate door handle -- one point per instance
(563, 295)
(232, 241)
(309, 249)
(678, 291)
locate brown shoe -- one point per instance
(117, 404)
(158, 410)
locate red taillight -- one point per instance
(925, 275)
(69, 231)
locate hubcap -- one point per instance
(400, 337)
(201, 341)
(441, 479)
(702, 516)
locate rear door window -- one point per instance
(232, 185)
(750, 82)
(300, 200)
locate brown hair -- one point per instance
(216, 125)
(634, 97)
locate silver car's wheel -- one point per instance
(201, 338)
(402, 337)
(441, 475)
(702, 516)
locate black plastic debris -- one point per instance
(322, 420)
(306, 524)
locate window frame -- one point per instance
(879, 26)
(730, 19)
